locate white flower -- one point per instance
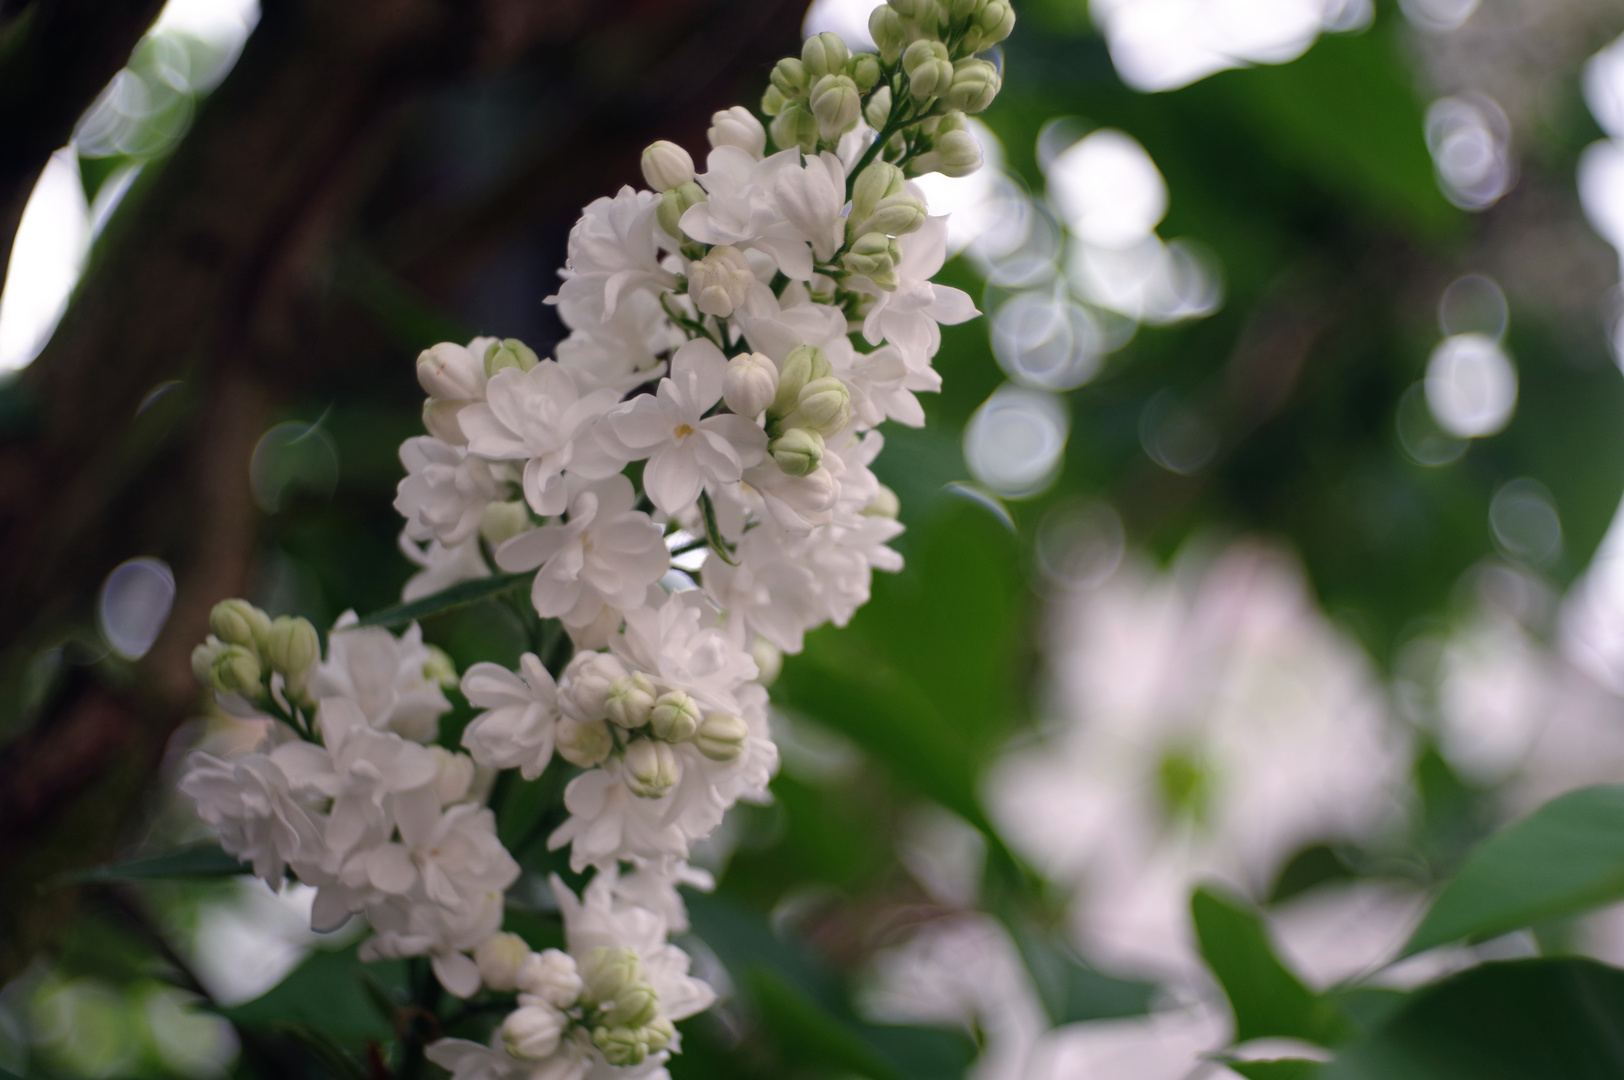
(595, 920)
(532, 1032)
(453, 856)
(738, 127)
(797, 503)
(442, 566)
(623, 352)
(652, 886)
(810, 198)
(584, 686)
(542, 415)
(771, 589)
(552, 976)
(384, 675)
(606, 554)
(611, 253)
(743, 210)
(445, 490)
(412, 926)
(724, 282)
(687, 450)
(250, 803)
(909, 316)
(516, 729)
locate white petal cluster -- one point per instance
(736, 336)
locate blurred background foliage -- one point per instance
(261, 244)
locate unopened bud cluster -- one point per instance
(247, 648)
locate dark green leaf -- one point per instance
(459, 595)
(1564, 858)
(202, 861)
(1524, 1020)
(328, 994)
(324, 1050)
(1277, 1069)
(1267, 999)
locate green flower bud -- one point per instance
(795, 126)
(769, 660)
(961, 10)
(797, 451)
(789, 75)
(955, 152)
(824, 54)
(875, 256)
(633, 1006)
(750, 384)
(441, 668)
(975, 84)
(878, 109)
(630, 700)
(440, 420)
(916, 10)
(930, 72)
(890, 34)
(722, 737)
(292, 647)
(499, 958)
(667, 165)
(675, 717)
(773, 101)
(621, 1046)
(880, 180)
(237, 622)
(803, 364)
(824, 406)
(509, 353)
(996, 22)
(583, 743)
(836, 104)
(203, 658)
(884, 504)
(503, 521)
(604, 970)
(896, 215)
(658, 1033)
(237, 671)
(652, 768)
(864, 69)
(675, 203)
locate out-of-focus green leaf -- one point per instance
(1564, 858)
(327, 994)
(1277, 1069)
(459, 595)
(202, 861)
(1266, 998)
(1523, 1020)
(806, 1010)
(1072, 991)
(923, 677)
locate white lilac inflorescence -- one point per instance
(736, 337)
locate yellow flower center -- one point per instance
(682, 431)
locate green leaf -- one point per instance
(1266, 998)
(1072, 991)
(1522, 1020)
(202, 861)
(1277, 1069)
(1564, 858)
(328, 994)
(459, 595)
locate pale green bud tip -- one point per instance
(652, 768)
(886, 27)
(955, 153)
(292, 647)
(878, 109)
(790, 77)
(879, 181)
(584, 743)
(795, 126)
(237, 622)
(658, 1033)
(630, 700)
(722, 737)
(803, 364)
(824, 53)
(677, 202)
(203, 660)
(450, 372)
(621, 1046)
(503, 521)
(824, 406)
(440, 668)
(864, 69)
(975, 83)
(237, 671)
(532, 1032)
(509, 353)
(440, 420)
(667, 165)
(737, 127)
(769, 660)
(606, 969)
(633, 1006)
(750, 384)
(552, 976)
(884, 504)
(499, 958)
(930, 72)
(875, 256)
(675, 717)
(798, 451)
(836, 105)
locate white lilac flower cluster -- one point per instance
(736, 336)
